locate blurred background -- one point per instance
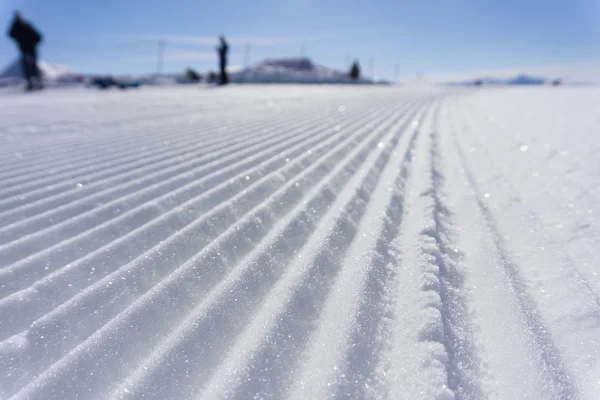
(393, 40)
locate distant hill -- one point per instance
(291, 70)
(522, 79)
(527, 80)
(13, 73)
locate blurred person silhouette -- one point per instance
(222, 50)
(28, 38)
(355, 71)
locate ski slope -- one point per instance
(300, 242)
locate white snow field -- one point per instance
(300, 242)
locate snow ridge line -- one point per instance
(344, 349)
(274, 338)
(104, 150)
(131, 221)
(18, 304)
(130, 122)
(579, 276)
(205, 154)
(185, 145)
(110, 154)
(463, 361)
(368, 338)
(194, 181)
(139, 123)
(82, 162)
(137, 129)
(15, 305)
(425, 305)
(240, 293)
(97, 135)
(78, 224)
(181, 287)
(72, 226)
(550, 357)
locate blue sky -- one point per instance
(407, 38)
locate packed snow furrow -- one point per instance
(344, 350)
(50, 163)
(178, 201)
(99, 118)
(104, 132)
(491, 295)
(182, 182)
(300, 242)
(92, 266)
(271, 344)
(72, 115)
(207, 166)
(59, 164)
(549, 355)
(128, 153)
(236, 296)
(169, 300)
(548, 208)
(178, 145)
(545, 317)
(144, 173)
(110, 145)
(61, 113)
(430, 350)
(414, 361)
(463, 364)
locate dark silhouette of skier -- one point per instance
(28, 38)
(223, 49)
(355, 71)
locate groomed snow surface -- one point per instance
(300, 242)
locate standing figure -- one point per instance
(28, 39)
(355, 71)
(223, 49)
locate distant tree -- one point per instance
(193, 75)
(355, 71)
(557, 82)
(478, 82)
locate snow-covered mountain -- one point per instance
(291, 70)
(279, 70)
(522, 79)
(13, 73)
(297, 70)
(526, 80)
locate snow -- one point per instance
(13, 73)
(300, 242)
(291, 70)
